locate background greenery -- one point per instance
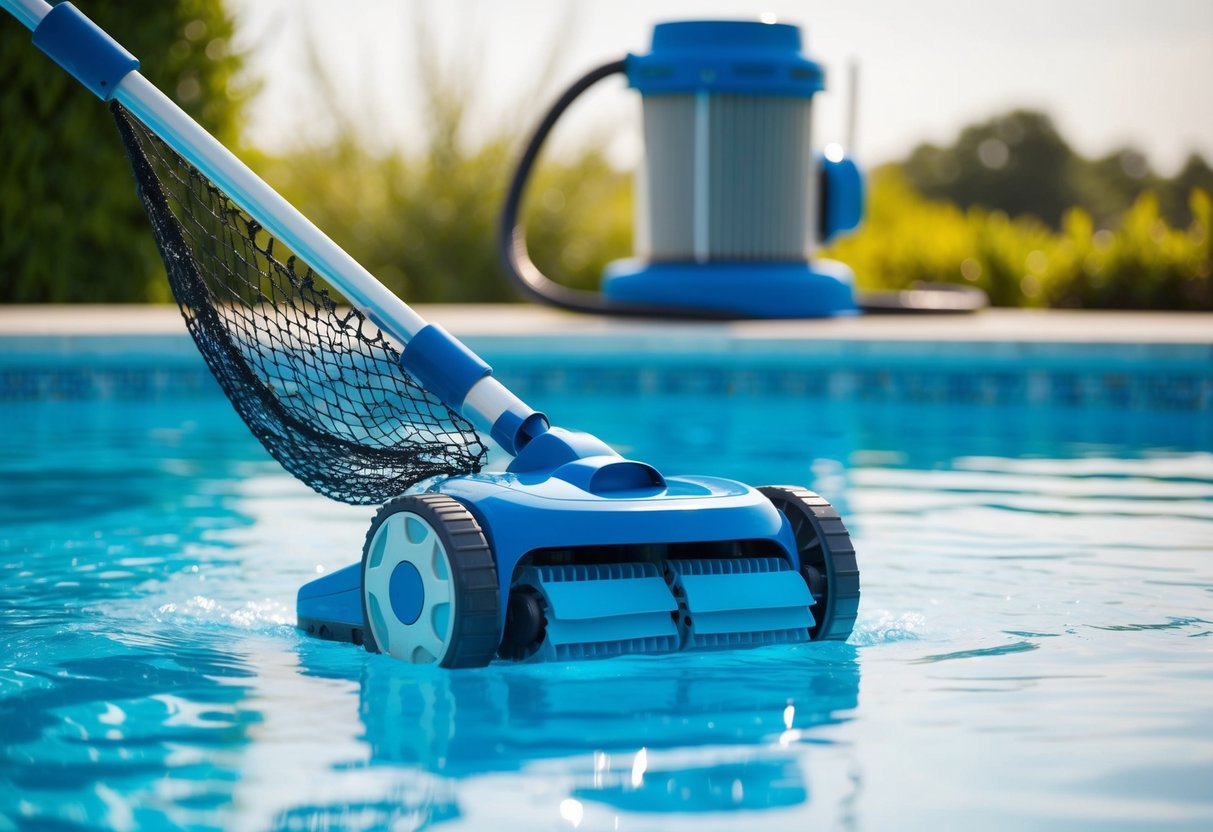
(1141, 262)
(1009, 206)
(425, 223)
(1019, 162)
(73, 230)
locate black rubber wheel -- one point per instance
(525, 624)
(429, 584)
(827, 559)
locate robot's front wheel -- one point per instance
(429, 584)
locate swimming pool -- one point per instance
(1034, 650)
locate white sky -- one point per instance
(1111, 72)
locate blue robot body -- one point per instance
(675, 563)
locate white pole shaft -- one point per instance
(488, 400)
(28, 12)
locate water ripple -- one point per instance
(1170, 624)
(884, 627)
(980, 652)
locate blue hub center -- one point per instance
(407, 592)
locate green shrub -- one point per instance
(1142, 264)
(74, 230)
(426, 224)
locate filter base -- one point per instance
(804, 289)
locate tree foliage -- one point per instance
(1019, 163)
(73, 229)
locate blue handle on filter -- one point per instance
(841, 196)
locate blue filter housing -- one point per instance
(731, 200)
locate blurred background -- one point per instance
(1053, 154)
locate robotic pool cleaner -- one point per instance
(572, 552)
(732, 201)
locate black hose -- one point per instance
(924, 298)
(534, 284)
(515, 258)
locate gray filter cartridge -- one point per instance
(728, 177)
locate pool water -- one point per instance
(1034, 649)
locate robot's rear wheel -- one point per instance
(827, 559)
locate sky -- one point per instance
(1111, 72)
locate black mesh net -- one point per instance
(315, 381)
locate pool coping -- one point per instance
(1123, 360)
(527, 334)
(992, 325)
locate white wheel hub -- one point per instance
(410, 603)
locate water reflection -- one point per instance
(715, 732)
(728, 787)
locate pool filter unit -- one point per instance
(732, 201)
(572, 551)
(731, 198)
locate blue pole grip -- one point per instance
(84, 49)
(443, 365)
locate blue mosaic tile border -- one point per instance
(1150, 389)
(84, 383)
(1167, 391)
(1134, 377)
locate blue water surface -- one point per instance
(1034, 649)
